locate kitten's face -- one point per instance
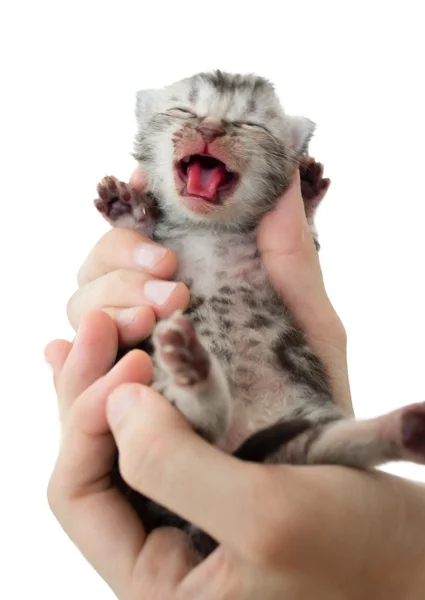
(218, 147)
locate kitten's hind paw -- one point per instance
(180, 352)
(123, 206)
(413, 431)
(395, 436)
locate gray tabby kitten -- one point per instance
(218, 149)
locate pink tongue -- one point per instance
(204, 182)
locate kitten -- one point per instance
(218, 149)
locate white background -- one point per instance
(69, 73)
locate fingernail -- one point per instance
(159, 291)
(148, 255)
(126, 315)
(119, 403)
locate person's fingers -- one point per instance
(55, 353)
(161, 457)
(87, 421)
(127, 289)
(134, 324)
(290, 257)
(138, 179)
(97, 517)
(225, 576)
(127, 249)
(166, 559)
(92, 354)
(291, 260)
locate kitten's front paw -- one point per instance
(123, 206)
(115, 198)
(313, 185)
(180, 352)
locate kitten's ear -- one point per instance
(302, 130)
(146, 104)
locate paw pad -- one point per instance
(180, 351)
(117, 199)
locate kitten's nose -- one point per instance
(210, 131)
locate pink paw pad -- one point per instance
(116, 198)
(181, 352)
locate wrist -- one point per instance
(397, 571)
(411, 556)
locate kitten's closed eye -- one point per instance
(181, 112)
(249, 124)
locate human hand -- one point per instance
(283, 530)
(295, 532)
(116, 271)
(128, 276)
(292, 263)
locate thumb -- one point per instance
(290, 257)
(162, 458)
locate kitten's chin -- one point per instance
(230, 214)
(199, 206)
(208, 210)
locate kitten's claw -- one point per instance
(123, 206)
(180, 351)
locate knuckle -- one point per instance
(230, 585)
(83, 273)
(72, 314)
(340, 333)
(94, 263)
(123, 287)
(124, 276)
(273, 523)
(120, 288)
(166, 539)
(117, 240)
(129, 464)
(226, 582)
(53, 493)
(102, 257)
(111, 289)
(141, 454)
(111, 239)
(332, 330)
(152, 589)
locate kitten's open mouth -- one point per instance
(205, 177)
